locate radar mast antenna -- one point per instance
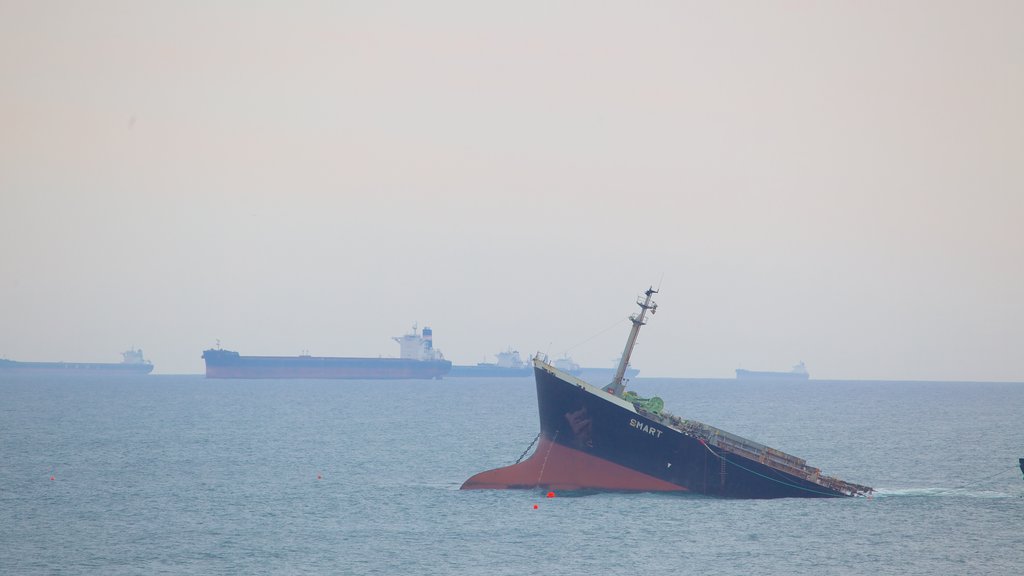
(618, 385)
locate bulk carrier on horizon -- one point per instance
(419, 359)
(608, 439)
(509, 364)
(132, 363)
(569, 366)
(798, 372)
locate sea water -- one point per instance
(184, 475)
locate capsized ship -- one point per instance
(799, 372)
(418, 359)
(132, 363)
(608, 439)
(509, 364)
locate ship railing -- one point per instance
(848, 488)
(771, 457)
(757, 452)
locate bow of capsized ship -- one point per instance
(573, 416)
(554, 466)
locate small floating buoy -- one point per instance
(52, 478)
(551, 494)
(535, 506)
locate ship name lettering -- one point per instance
(645, 428)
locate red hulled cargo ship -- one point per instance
(419, 359)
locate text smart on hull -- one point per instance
(419, 359)
(607, 439)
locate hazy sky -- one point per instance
(835, 182)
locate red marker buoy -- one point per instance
(52, 478)
(551, 494)
(534, 506)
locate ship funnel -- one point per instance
(428, 338)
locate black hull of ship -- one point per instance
(592, 443)
(229, 364)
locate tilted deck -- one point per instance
(775, 459)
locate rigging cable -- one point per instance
(617, 322)
(762, 475)
(962, 486)
(548, 453)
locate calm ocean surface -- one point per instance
(183, 475)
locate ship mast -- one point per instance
(617, 386)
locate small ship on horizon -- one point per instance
(132, 362)
(798, 372)
(569, 366)
(510, 364)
